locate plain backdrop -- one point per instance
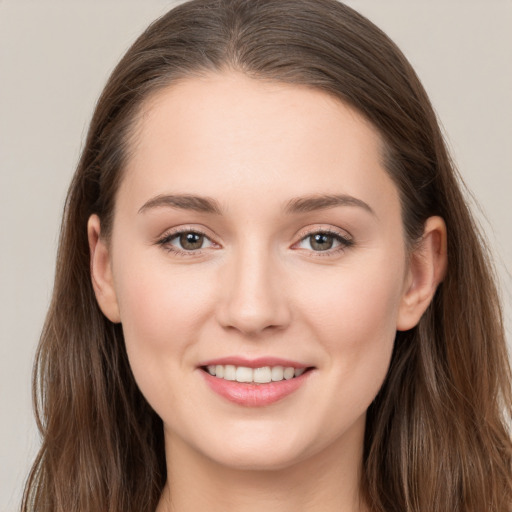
(54, 60)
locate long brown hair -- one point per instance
(437, 436)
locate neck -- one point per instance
(326, 482)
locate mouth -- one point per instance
(255, 383)
(248, 375)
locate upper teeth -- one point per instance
(256, 375)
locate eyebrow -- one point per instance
(323, 202)
(183, 202)
(295, 205)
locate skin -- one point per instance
(258, 287)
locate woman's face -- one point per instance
(256, 227)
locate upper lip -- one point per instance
(258, 362)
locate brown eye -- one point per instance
(325, 241)
(191, 241)
(321, 241)
(182, 242)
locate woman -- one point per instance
(270, 291)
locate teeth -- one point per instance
(230, 372)
(262, 375)
(277, 373)
(289, 373)
(254, 375)
(244, 374)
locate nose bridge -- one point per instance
(253, 298)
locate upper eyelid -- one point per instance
(342, 233)
(173, 232)
(304, 232)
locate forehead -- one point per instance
(225, 134)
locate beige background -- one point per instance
(54, 60)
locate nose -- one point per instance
(253, 298)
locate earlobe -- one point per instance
(101, 271)
(427, 267)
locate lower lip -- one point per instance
(254, 395)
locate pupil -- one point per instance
(191, 241)
(322, 242)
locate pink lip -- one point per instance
(254, 395)
(259, 362)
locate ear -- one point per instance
(427, 267)
(101, 271)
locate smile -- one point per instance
(255, 383)
(262, 375)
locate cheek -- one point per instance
(355, 322)
(161, 312)
(356, 299)
(156, 299)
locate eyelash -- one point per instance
(344, 242)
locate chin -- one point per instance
(257, 460)
(261, 451)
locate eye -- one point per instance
(185, 241)
(324, 241)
